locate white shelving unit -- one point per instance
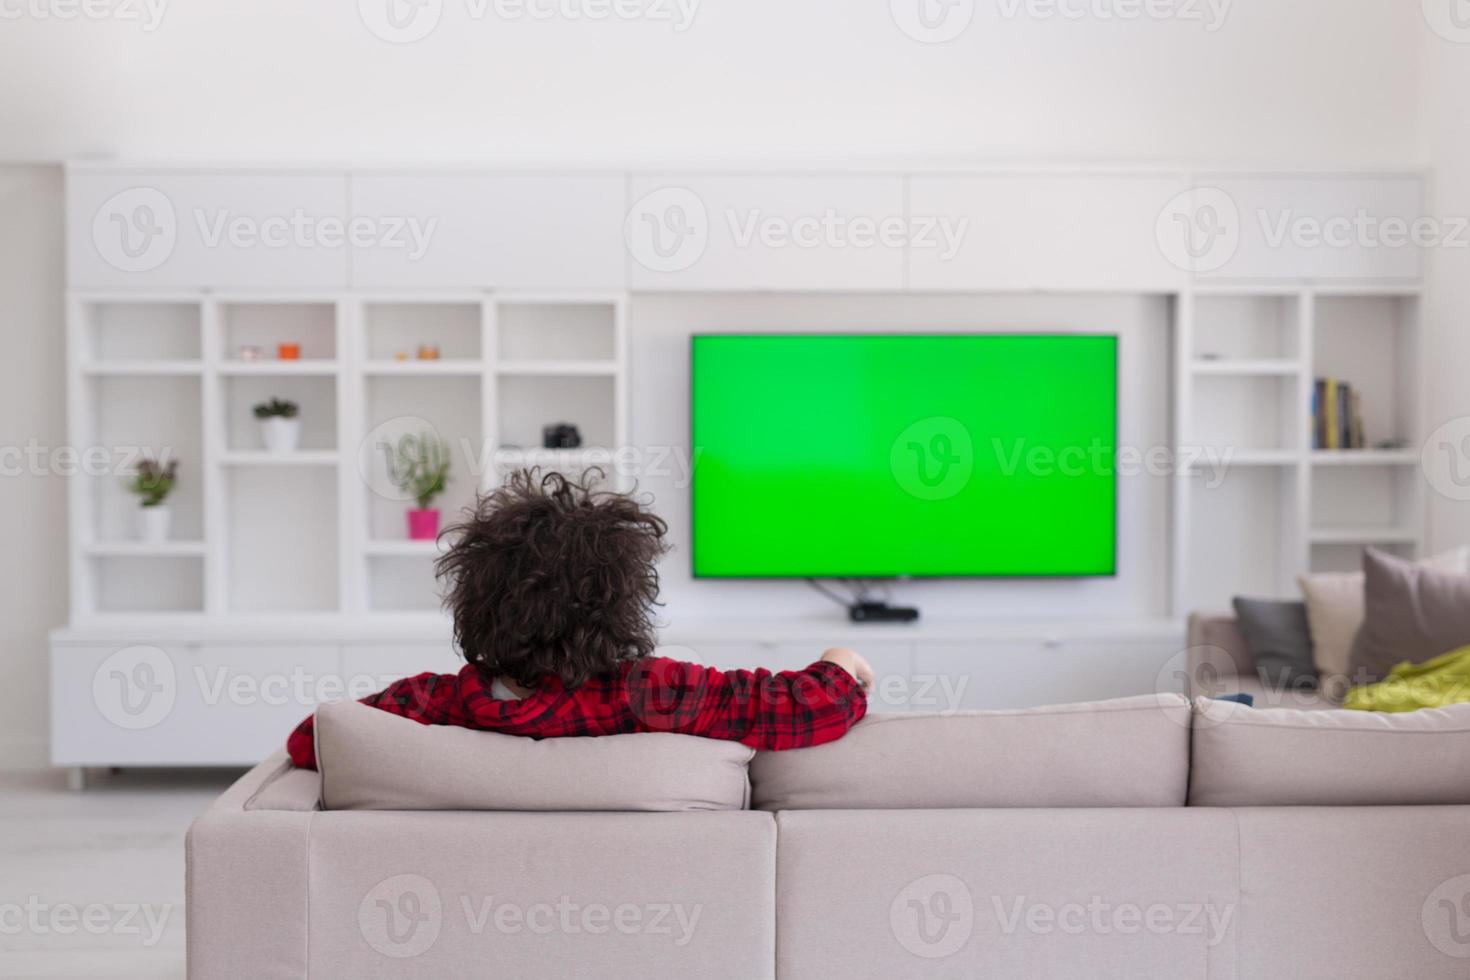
(1246, 359)
(318, 530)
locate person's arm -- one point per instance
(421, 697)
(788, 710)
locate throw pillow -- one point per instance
(1335, 610)
(1280, 642)
(1411, 613)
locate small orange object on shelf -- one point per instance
(289, 352)
(428, 352)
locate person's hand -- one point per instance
(852, 662)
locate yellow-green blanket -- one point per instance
(1409, 687)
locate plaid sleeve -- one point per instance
(773, 711)
(424, 697)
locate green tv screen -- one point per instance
(878, 455)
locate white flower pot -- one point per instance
(154, 523)
(280, 435)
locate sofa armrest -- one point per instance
(246, 883)
(1216, 651)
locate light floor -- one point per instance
(92, 884)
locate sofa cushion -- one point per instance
(1282, 757)
(1411, 613)
(372, 760)
(1280, 641)
(1129, 752)
(1335, 609)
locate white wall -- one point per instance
(33, 580)
(1447, 142)
(660, 327)
(1279, 83)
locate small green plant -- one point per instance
(277, 408)
(418, 465)
(154, 481)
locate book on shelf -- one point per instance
(1337, 415)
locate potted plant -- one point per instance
(418, 465)
(153, 482)
(280, 425)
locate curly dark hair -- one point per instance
(551, 576)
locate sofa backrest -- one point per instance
(1131, 752)
(1216, 649)
(373, 760)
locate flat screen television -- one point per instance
(904, 455)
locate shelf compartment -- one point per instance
(402, 583)
(1365, 503)
(557, 331)
(147, 583)
(1248, 414)
(266, 325)
(1371, 343)
(393, 328)
(283, 543)
(1228, 562)
(316, 397)
(126, 331)
(395, 406)
(153, 416)
(528, 403)
(1246, 327)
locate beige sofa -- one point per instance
(1219, 662)
(1149, 837)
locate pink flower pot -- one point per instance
(423, 525)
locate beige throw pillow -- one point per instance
(1335, 609)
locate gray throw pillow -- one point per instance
(1280, 642)
(1410, 613)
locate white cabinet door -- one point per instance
(809, 232)
(268, 230)
(494, 231)
(987, 675)
(1310, 227)
(1044, 232)
(183, 705)
(369, 668)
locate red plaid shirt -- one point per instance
(764, 710)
